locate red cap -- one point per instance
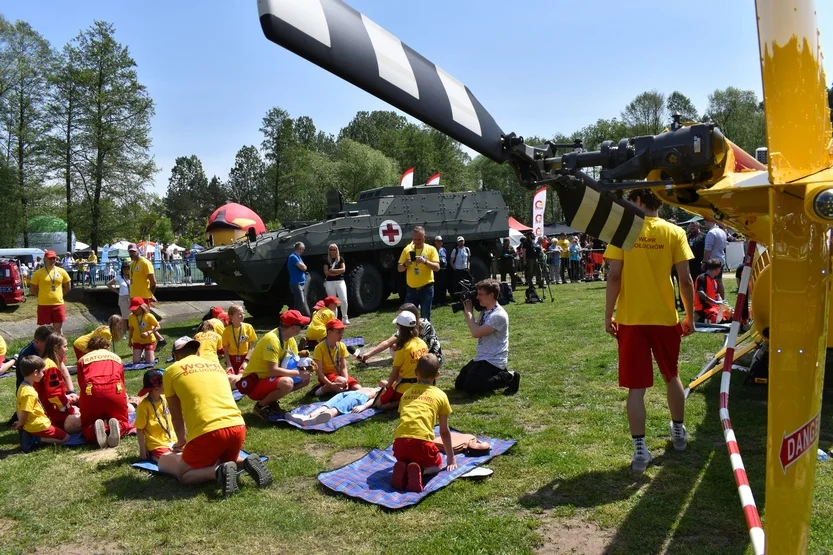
(331, 300)
(293, 318)
(136, 302)
(319, 305)
(50, 254)
(335, 324)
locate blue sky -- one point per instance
(213, 75)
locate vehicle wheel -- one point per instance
(262, 310)
(314, 289)
(364, 288)
(479, 269)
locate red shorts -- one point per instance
(156, 453)
(236, 362)
(389, 395)
(51, 314)
(221, 445)
(637, 344)
(144, 346)
(51, 433)
(351, 381)
(58, 417)
(425, 453)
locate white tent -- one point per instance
(515, 237)
(79, 246)
(174, 248)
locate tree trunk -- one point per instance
(68, 175)
(20, 177)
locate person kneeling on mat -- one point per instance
(103, 398)
(487, 370)
(200, 401)
(408, 349)
(330, 357)
(355, 401)
(413, 445)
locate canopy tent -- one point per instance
(692, 220)
(558, 229)
(196, 247)
(146, 246)
(173, 247)
(515, 237)
(518, 226)
(79, 246)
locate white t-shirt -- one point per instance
(494, 348)
(124, 286)
(716, 243)
(461, 258)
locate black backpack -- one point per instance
(506, 295)
(532, 296)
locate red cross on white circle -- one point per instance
(390, 232)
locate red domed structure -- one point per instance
(232, 221)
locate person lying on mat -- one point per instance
(201, 402)
(32, 420)
(355, 401)
(408, 349)
(267, 378)
(413, 445)
(154, 428)
(330, 358)
(426, 333)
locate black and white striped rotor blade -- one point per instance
(333, 35)
(600, 215)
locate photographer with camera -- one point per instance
(487, 370)
(420, 261)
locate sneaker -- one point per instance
(100, 433)
(414, 478)
(515, 384)
(161, 344)
(399, 477)
(115, 433)
(346, 322)
(300, 419)
(265, 412)
(641, 459)
(276, 408)
(678, 438)
(257, 470)
(226, 475)
(28, 441)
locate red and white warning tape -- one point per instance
(750, 510)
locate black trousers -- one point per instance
(479, 376)
(441, 285)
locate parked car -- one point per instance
(11, 284)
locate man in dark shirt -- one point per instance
(532, 251)
(697, 242)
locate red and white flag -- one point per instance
(539, 204)
(407, 180)
(433, 180)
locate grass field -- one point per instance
(29, 309)
(564, 488)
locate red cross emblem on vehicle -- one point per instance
(390, 232)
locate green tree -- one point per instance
(740, 117)
(378, 129)
(246, 181)
(278, 139)
(646, 114)
(189, 196)
(361, 167)
(678, 102)
(114, 134)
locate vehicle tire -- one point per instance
(365, 288)
(479, 269)
(314, 290)
(262, 310)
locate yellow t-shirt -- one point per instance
(50, 285)
(268, 350)
(218, 325)
(27, 400)
(147, 322)
(238, 339)
(419, 275)
(317, 329)
(140, 272)
(418, 411)
(147, 420)
(2, 348)
(406, 359)
(203, 391)
(565, 247)
(93, 259)
(210, 345)
(330, 361)
(647, 294)
(82, 342)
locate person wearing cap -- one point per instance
(102, 396)
(49, 284)
(317, 329)
(408, 349)
(120, 285)
(460, 259)
(154, 427)
(441, 276)
(267, 378)
(330, 358)
(143, 327)
(209, 428)
(419, 262)
(297, 278)
(334, 270)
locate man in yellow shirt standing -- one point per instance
(49, 284)
(143, 283)
(420, 261)
(646, 323)
(200, 402)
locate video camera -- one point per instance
(468, 292)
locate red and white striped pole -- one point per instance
(750, 510)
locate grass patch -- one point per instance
(29, 309)
(567, 476)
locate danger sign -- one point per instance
(390, 232)
(794, 445)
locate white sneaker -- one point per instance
(320, 418)
(679, 439)
(100, 433)
(300, 419)
(115, 433)
(641, 459)
(346, 322)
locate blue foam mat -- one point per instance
(334, 424)
(368, 478)
(153, 468)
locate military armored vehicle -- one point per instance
(370, 234)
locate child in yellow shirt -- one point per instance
(113, 331)
(239, 340)
(211, 343)
(154, 427)
(421, 406)
(317, 330)
(143, 327)
(35, 427)
(331, 361)
(408, 348)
